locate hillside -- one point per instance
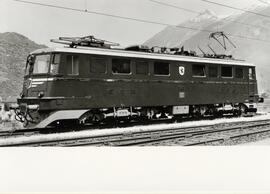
(173, 36)
(14, 49)
(256, 52)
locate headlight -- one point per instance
(21, 95)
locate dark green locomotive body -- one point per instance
(103, 79)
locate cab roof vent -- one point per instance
(141, 48)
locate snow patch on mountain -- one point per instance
(205, 15)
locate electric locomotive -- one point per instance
(90, 82)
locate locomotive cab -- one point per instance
(47, 90)
(39, 69)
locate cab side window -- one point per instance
(239, 72)
(251, 73)
(227, 72)
(72, 63)
(121, 66)
(161, 68)
(98, 65)
(55, 64)
(198, 70)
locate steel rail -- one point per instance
(195, 134)
(231, 137)
(49, 130)
(146, 137)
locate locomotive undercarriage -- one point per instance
(32, 116)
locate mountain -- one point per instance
(14, 49)
(173, 36)
(254, 51)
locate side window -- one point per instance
(121, 66)
(213, 71)
(55, 64)
(161, 68)
(142, 67)
(198, 70)
(251, 73)
(239, 72)
(73, 65)
(226, 71)
(98, 65)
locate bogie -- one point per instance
(143, 114)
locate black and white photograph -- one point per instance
(178, 84)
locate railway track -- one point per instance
(34, 131)
(223, 139)
(199, 135)
(19, 132)
(51, 130)
(225, 136)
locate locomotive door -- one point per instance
(251, 85)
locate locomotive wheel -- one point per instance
(143, 119)
(237, 113)
(177, 118)
(126, 120)
(217, 114)
(97, 118)
(197, 115)
(242, 109)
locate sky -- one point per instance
(41, 23)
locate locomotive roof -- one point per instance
(144, 55)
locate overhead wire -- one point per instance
(236, 8)
(198, 12)
(104, 14)
(174, 6)
(136, 19)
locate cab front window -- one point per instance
(41, 64)
(55, 64)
